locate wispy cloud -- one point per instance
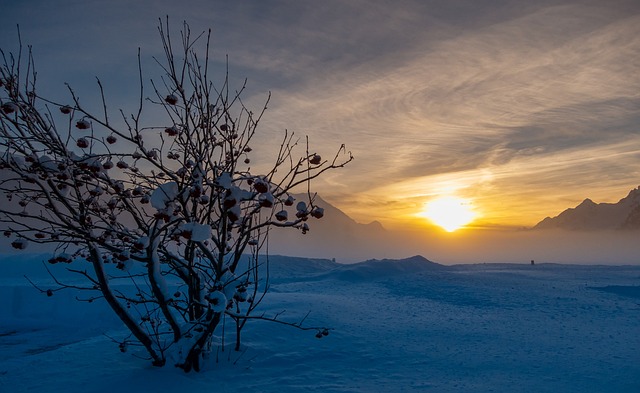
(494, 105)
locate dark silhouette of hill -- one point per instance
(382, 268)
(304, 269)
(588, 215)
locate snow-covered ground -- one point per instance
(398, 326)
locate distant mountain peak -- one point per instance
(336, 235)
(376, 224)
(633, 194)
(587, 202)
(588, 215)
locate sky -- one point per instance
(521, 108)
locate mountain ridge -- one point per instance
(335, 231)
(590, 216)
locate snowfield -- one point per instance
(397, 326)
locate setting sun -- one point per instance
(449, 212)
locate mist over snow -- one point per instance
(338, 236)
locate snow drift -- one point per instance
(398, 325)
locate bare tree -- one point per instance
(172, 210)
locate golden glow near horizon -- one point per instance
(449, 212)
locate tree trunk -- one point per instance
(121, 312)
(238, 333)
(154, 275)
(192, 360)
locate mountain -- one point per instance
(588, 215)
(334, 235)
